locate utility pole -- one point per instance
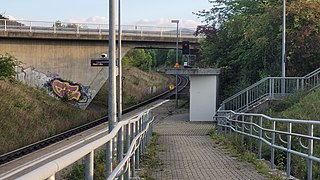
(112, 84)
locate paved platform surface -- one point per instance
(188, 152)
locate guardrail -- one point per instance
(269, 88)
(138, 133)
(88, 28)
(266, 130)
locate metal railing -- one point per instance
(269, 88)
(138, 133)
(301, 135)
(88, 28)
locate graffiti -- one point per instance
(69, 91)
(56, 86)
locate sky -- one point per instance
(134, 12)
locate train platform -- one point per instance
(187, 151)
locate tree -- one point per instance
(243, 37)
(7, 65)
(140, 58)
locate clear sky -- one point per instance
(140, 12)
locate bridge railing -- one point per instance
(269, 88)
(292, 136)
(138, 133)
(88, 28)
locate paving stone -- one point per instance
(188, 152)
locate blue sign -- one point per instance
(99, 62)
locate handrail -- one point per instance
(137, 122)
(269, 88)
(92, 28)
(235, 123)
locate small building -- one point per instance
(204, 85)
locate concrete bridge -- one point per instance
(66, 48)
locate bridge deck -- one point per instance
(187, 151)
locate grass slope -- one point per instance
(28, 114)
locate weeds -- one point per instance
(242, 153)
(150, 160)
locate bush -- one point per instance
(7, 64)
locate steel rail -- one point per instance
(7, 157)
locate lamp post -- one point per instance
(283, 58)
(177, 56)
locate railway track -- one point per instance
(10, 156)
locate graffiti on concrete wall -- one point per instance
(68, 90)
(56, 86)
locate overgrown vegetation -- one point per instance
(240, 151)
(243, 37)
(150, 160)
(298, 107)
(7, 64)
(136, 87)
(28, 114)
(78, 170)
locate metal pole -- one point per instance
(177, 56)
(283, 61)
(119, 87)
(112, 83)
(89, 166)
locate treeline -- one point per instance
(243, 37)
(151, 59)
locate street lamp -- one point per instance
(177, 56)
(283, 60)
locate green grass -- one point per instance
(299, 106)
(240, 152)
(29, 114)
(150, 160)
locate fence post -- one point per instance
(89, 166)
(109, 157)
(133, 133)
(247, 99)
(141, 129)
(236, 127)
(272, 143)
(250, 138)
(30, 27)
(310, 151)
(52, 177)
(260, 139)
(242, 129)
(127, 128)
(272, 88)
(289, 148)
(120, 146)
(78, 29)
(137, 152)
(141, 32)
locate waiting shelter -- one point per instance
(204, 84)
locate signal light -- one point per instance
(185, 47)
